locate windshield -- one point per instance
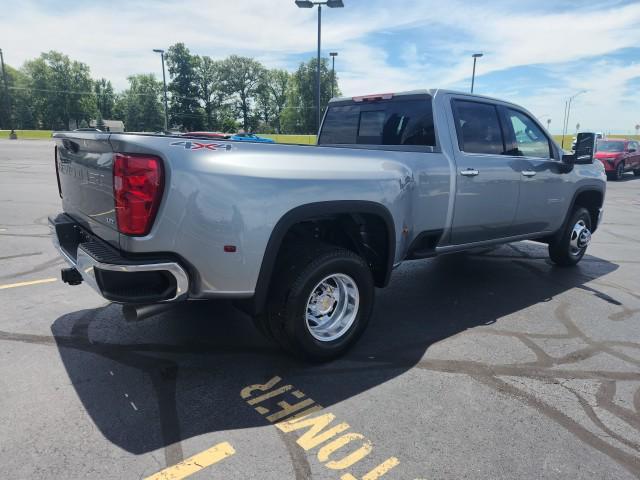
(610, 147)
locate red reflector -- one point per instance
(230, 248)
(137, 189)
(377, 96)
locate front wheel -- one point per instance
(321, 306)
(636, 172)
(619, 172)
(570, 247)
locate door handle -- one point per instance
(528, 173)
(469, 172)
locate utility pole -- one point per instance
(475, 56)
(568, 114)
(311, 4)
(164, 81)
(564, 122)
(12, 135)
(318, 106)
(333, 70)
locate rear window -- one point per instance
(395, 122)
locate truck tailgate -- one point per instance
(85, 170)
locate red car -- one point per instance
(217, 135)
(618, 156)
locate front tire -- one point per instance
(322, 303)
(570, 247)
(637, 172)
(619, 172)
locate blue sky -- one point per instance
(536, 53)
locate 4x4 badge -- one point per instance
(189, 145)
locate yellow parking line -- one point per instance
(26, 284)
(196, 463)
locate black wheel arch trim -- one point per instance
(311, 210)
(580, 190)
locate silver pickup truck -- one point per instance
(299, 236)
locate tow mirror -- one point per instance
(583, 153)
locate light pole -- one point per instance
(12, 134)
(475, 56)
(164, 81)
(333, 70)
(310, 4)
(568, 113)
(548, 123)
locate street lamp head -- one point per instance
(335, 4)
(477, 55)
(158, 50)
(333, 54)
(304, 3)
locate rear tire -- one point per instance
(568, 249)
(322, 299)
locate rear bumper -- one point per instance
(116, 277)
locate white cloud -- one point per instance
(116, 40)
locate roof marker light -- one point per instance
(375, 96)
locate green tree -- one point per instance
(264, 111)
(19, 101)
(243, 77)
(61, 91)
(141, 105)
(300, 115)
(184, 106)
(211, 90)
(271, 99)
(105, 97)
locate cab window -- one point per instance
(530, 140)
(478, 127)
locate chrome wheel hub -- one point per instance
(332, 307)
(580, 238)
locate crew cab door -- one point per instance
(544, 193)
(487, 181)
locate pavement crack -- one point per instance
(299, 461)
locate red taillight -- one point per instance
(137, 189)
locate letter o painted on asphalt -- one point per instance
(326, 451)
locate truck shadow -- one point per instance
(153, 384)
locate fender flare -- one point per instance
(311, 210)
(585, 188)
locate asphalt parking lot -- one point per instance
(488, 365)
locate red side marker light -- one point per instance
(230, 248)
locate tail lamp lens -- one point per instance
(137, 188)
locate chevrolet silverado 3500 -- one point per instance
(300, 235)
